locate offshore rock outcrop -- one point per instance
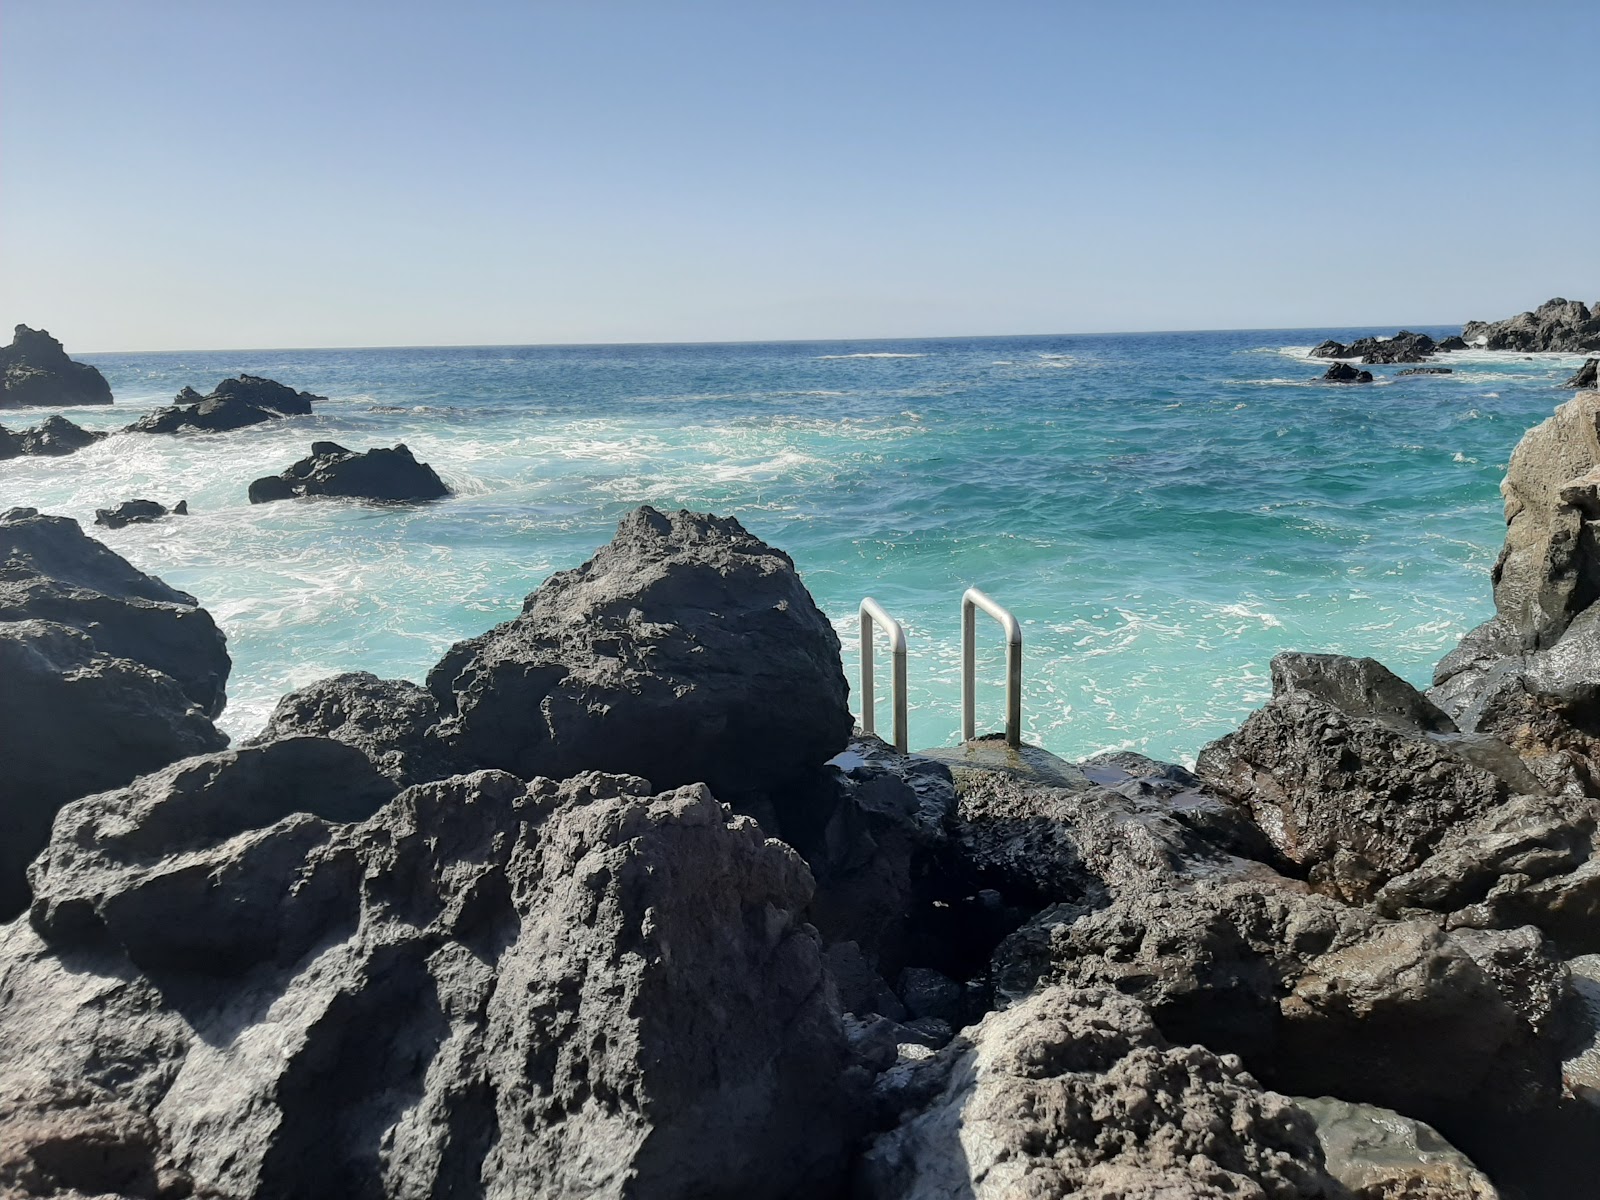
(1586, 376)
(1568, 326)
(54, 437)
(1345, 373)
(1403, 347)
(35, 370)
(390, 476)
(485, 988)
(232, 404)
(138, 512)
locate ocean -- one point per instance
(1162, 512)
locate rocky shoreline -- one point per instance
(619, 903)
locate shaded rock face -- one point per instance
(1076, 1093)
(1561, 325)
(35, 370)
(232, 404)
(485, 988)
(137, 512)
(686, 650)
(331, 470)
(54, 437)
(389, 720)
(50, 570)
(1586, 376)
(1345, 373)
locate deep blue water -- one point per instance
(1162, 512)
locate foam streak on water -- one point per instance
(1162, 512)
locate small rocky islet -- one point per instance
(619, 903)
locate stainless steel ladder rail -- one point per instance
(871, 612)
(972, 600)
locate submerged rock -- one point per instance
(1567, 326)
(54, 437)
(232, 404)
(137, 512)
(35, 370)
(331, 470)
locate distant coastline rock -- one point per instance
(1453, 342)
(232, 404)
(392, 476)
(1587, 376)
(138, 512)
(54, 437)
(1403, 347)
(1345, 373)
(1427, 371)
(35, 370)
(1565, 326)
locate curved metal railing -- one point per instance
(873, 612)
(972, 600)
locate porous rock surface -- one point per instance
(393, 476)
(687, 650)
(52, 438)
(1074, 1092)
(389, 720)
(35, 370)
(232, 404)
(485, 988)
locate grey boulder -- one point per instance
(232, 404)
(390, 476)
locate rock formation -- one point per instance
(392, 476)
(54, 437)
(232, 404)
(35, 370)
(137, 512)
(1586, 376)
(1560, 325)
(391, 721)
(1345, 373)
(1403, 347)
(1426, 371)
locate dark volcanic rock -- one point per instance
(579, 989)
(1403, 347)
(1330, 349)
(1361, 687)
(1427, 371)
(1076, 1093)
(331, 470)
(137, 512)
(1453, 342)
(1345, 373)
(390, 720)
(1560, 325)
(54, 437)
(75, 720)
(35, 370)
(1586, 376)
(232, 404)
(686, 650)
(50, 570)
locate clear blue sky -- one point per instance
(180, 174)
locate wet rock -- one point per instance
(392, 476)
(1345, 373)
(51, 570)
(1379, 1154)
(1567, 326)
(1585, 376)
(1330, 349)
(232, 404)
(686, 650)
(389, 720)
(35, 370)
(566, 989)
(1359, 687)
(1453, 342)
(76, 720)
(1077, 1093)
(1427, 371)
(137, 512)
(1403, 347)
(54, 437)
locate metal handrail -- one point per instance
(872, 611)
(972, 600)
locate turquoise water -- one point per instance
(1162, 512)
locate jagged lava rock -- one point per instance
(137, 512)
(387, 475)
(389, 720)
(1562, 325)
(1586, 376)
(685, 650)
(487, 988)
(51, 570)
(35, 370)
(54, 437)
(232, 404)
(1345, 373)
(1076, 1093)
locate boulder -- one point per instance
(75, 720)
(687, 650)
(485, 988)
(1586, 376)
(35, 370)
(1330, 349)
(331, 470)
(1379, 1154)
(1403, 347)
(1345, 373)
(50, 570)
(1453, 342)
(137, 512)
(389, 720)
(232, 404)
(1565, 326)
(1076, 1093)
(54, 437)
